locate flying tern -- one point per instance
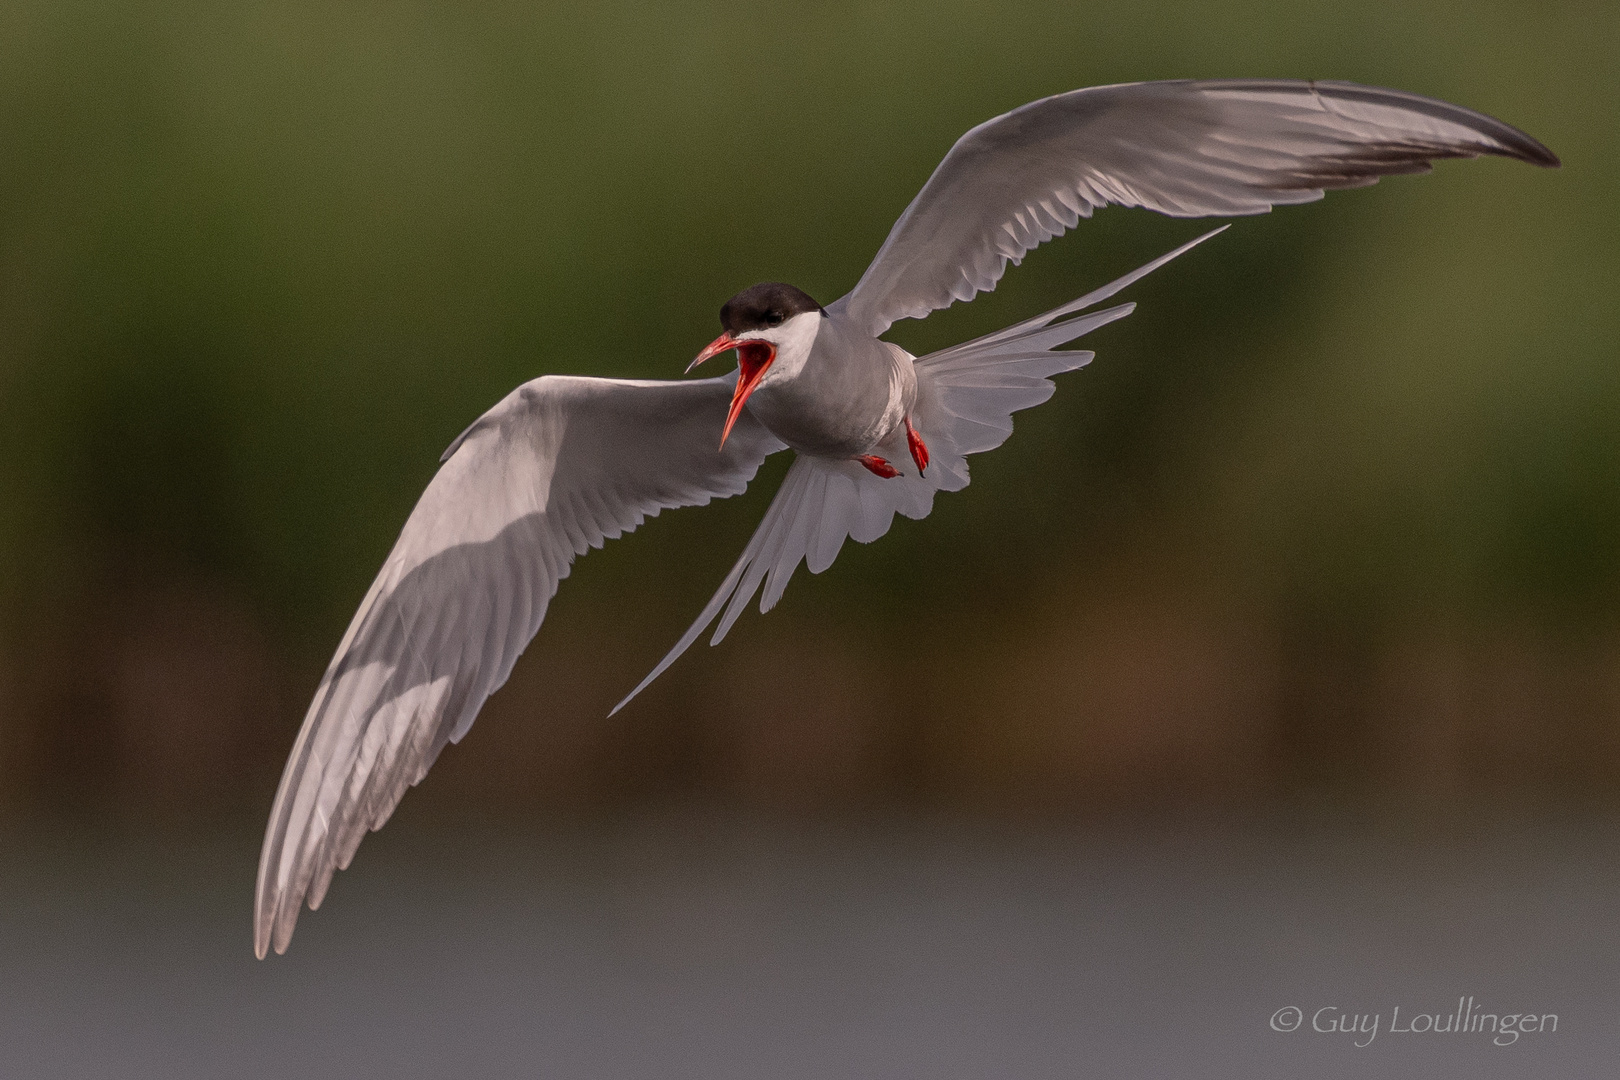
(564, 463)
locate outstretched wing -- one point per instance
(559, 466)
(1187, 149)
(966, 396)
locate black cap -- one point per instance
(763, 306)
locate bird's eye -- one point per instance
(773, 318)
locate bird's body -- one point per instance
(834, 392)
(564, 463)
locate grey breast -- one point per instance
(840, 403)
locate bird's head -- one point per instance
(762, 322)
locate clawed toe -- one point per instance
(919, 449)
(879, 466)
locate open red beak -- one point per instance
(753, 357)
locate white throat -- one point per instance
(793, 340)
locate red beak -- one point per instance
(753, 357)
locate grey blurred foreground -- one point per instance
(676, 947)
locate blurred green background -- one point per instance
(1334, 517)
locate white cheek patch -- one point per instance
(793, 340)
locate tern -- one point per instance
(564, 463)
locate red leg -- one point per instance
(879, 466)
(919, 449)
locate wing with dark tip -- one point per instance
(559, 466)
(1221, 147)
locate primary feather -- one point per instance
(1225, 147)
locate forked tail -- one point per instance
(966, 396)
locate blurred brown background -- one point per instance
(1334, 516)
(1274, 662)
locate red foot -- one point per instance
(919, 449)
(878, 466)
